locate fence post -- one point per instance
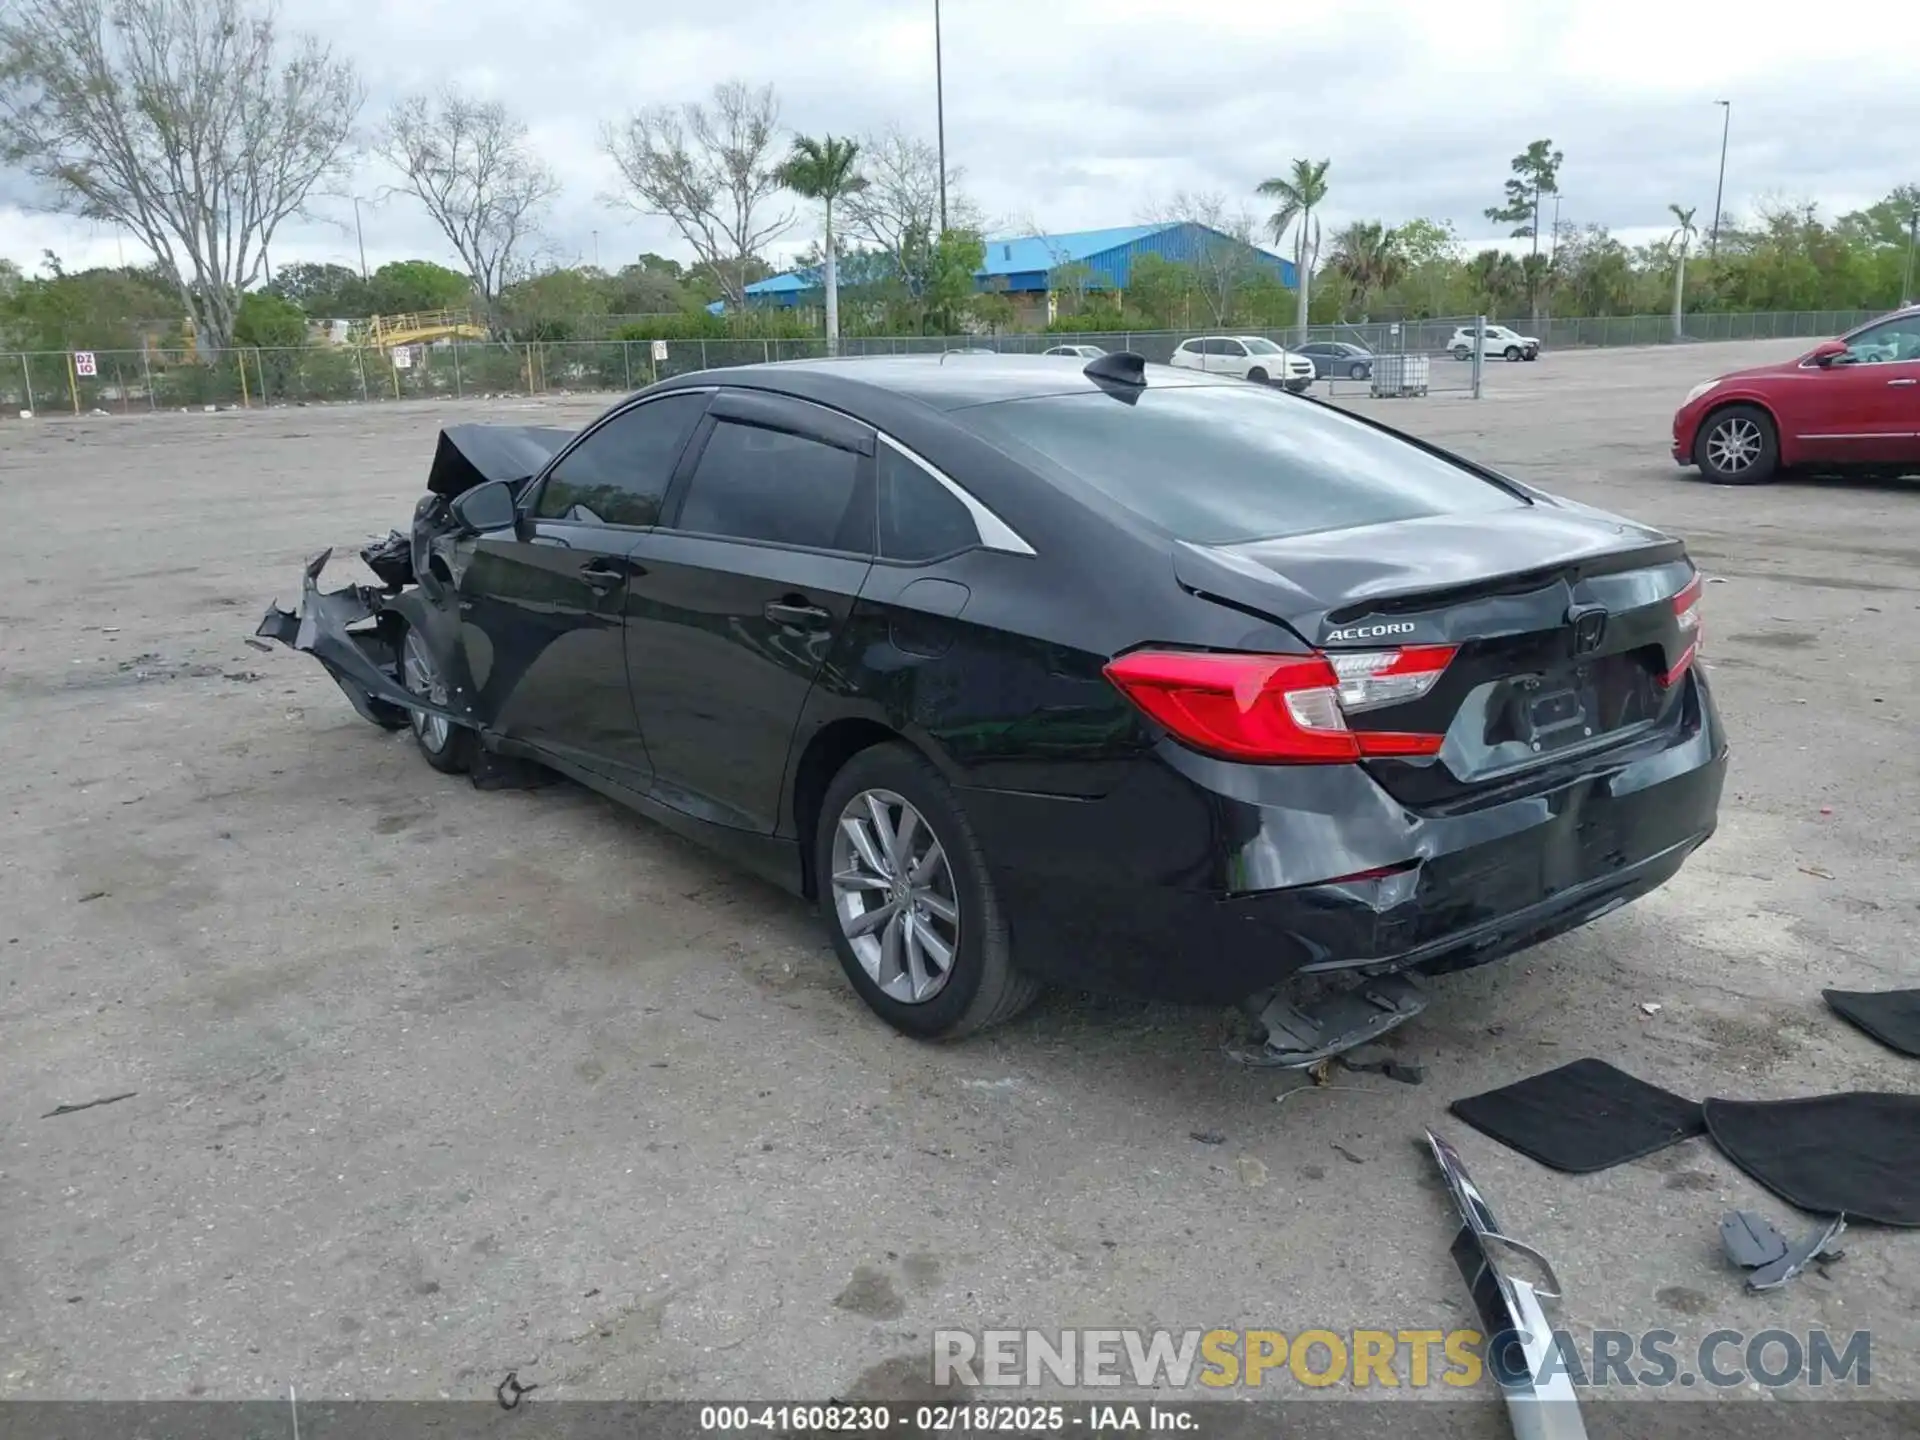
(529, 367)
(26, 374)
(146, 371)
(1479, 351)
(260, 369)
(626, 361)
(703, 354)
(360, 364)
(458, 392)
(73, 383)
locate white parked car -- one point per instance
(1251, 357)
(1500, 343)
(1078, 352)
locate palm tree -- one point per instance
(1681, 238)
(823, 170)
(1298, 194)
(1367, 256)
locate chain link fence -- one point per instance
(123, 381)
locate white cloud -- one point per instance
(1079, 112)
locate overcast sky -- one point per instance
(1080, 113)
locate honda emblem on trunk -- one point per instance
(1589, 627)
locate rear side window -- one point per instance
(1220, 464)
(756, 484)
(618, 475)
(920, 519)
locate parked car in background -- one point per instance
(1338, 359)
(1121, 677)
(1850, 403)
(1080, 352)
(1499, 343)
(1251, 357)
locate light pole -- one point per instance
(359, 236)
(1726, 123)
(940, 112)
(1913, 233)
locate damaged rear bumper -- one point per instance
(364, 661)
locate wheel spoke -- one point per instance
(856, 832)
(860, 880)
(918, 977)
(903, 839)
(883, 830)
(939, 907)
(873, 919)
(933, 946)
(930, 865)
(892, 949)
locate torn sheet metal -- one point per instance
(1523, 1355)
(364, 663)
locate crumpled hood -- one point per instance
(470, 455)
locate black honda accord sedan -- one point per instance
(1122, 677)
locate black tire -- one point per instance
(448, 748)
(982, 987)
(1356, 371)
(1733, 431)
(1531, 356)
(1257, 375)
(1512, 353)
(1299, 387)
(1462, 352)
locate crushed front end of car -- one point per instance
(357, 632)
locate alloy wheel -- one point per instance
(423, 679)
(1734, 445)
(894, 896)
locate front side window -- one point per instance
(1892, 341)
(1231, 347)
(1218, 465)
(757, 484)
(618, 475)
(1263, 347)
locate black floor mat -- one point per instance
(1583, 1117)
(1856, 1155)
(1890, 1016)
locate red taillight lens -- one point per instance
(1686, 611)
(1280, 709)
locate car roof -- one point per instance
(941, 382)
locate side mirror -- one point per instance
(1826, 352)
(488, 506)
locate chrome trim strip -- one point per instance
(995, 533)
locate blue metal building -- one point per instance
(1027, 265)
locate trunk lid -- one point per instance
(1562, 620)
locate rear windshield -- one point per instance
(1221, 464)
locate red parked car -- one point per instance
(1847, 403)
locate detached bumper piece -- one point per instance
(1301, 1035)
(1523, 1355)
(365, 663)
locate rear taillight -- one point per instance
(1281, 709)
(1686, 613)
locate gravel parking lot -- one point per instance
(431, 1083)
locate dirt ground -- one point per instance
(430, 1084)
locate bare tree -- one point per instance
(1224, 260)
(467, 162)
(710, 169)
(898, 213)
(182, 121)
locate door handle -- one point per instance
(602, 573)
(797, 615)
(1903, 382)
